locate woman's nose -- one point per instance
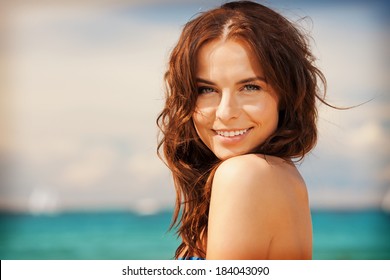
(228, 107)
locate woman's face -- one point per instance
(236, 109)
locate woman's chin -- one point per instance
(224, 155)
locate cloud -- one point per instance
(349, 46)
(92, 166)
(83, 108)
(329, 197)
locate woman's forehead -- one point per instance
(221, 53)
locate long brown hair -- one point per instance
(284, 54)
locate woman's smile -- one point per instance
(231, 137)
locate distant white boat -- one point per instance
(42, 201)
(147, 206)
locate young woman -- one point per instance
(240, 110)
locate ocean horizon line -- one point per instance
(167, 210)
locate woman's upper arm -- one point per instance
(243, 208)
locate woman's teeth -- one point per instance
(231, 133)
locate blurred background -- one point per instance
(81, 87)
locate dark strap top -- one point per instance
(193, 259)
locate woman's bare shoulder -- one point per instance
(259, 172)
(253, 198)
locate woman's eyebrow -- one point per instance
(204, 81)
(248, 80)
(253, 79)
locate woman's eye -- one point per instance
(203, 90)
(252, 87)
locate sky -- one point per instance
(83, 85)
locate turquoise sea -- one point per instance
(117, 235)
